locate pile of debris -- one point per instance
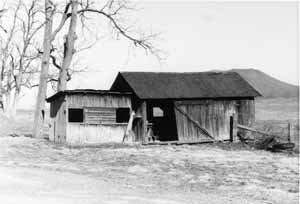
(269, 143)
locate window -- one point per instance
(158, 112)
(123, 115)
(76, 115)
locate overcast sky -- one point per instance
(201, 36)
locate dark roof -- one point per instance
(170, 85)
(85, 91)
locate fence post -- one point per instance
(290, 131)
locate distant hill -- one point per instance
(268, 86)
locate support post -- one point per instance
(144, 122)
(233, 128)
(129, 130)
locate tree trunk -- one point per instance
(7, 102)
(40, 102)
(8, 97)
(1, 94)
(10, 104)
(68, 49)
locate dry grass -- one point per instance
(248, 174)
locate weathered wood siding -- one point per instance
(91, 131)
(80, 134)
(87, 100)
(58, 120)
(246, 112)
(96, 115)
(213, 115)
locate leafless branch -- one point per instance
(63, 20)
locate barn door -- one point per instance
(212, 116)
(188, 125)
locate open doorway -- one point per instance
(161, 116)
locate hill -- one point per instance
(268, 86)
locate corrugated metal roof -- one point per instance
(85, 91)
(170, 85)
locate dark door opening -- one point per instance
(162, 117)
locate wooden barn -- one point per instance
(146, 107)
(89, 116)
(187, 107)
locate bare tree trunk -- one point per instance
(10, 104)
(1, 93)
(14, 104)
(40, 103)
(7, 102)
(68, 49)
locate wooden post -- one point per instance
(233, 128)
(290, 131)
(144, 122)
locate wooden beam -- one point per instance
(128, 130)
(177, 142)
(254, 130)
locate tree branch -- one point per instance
(136, 41)
(63, 20)
(54, 62)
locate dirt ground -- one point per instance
(37, 171)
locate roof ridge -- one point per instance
(146, 72)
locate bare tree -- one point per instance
(68, 47)
(40, 103)
(18, 56)
(112, 11)
(6, 42)
(55, 68)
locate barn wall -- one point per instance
(79, 134)
(93, 133)
(246, 112)
(213, 115)
(58, 120)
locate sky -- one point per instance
(199, 36)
